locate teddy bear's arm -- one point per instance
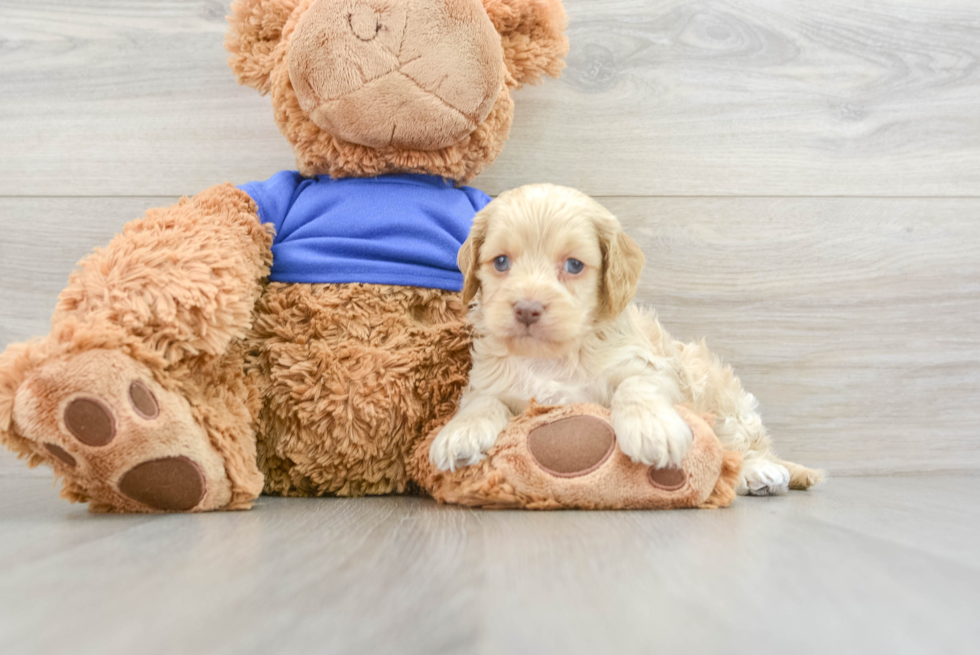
(184, 279)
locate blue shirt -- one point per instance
(395, 229)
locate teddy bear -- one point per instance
(302, 336)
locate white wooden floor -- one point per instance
(804, 178)
(866, 565)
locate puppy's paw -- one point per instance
(760, 477)
(464, 440)
(651, 434)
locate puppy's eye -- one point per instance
(502, 263)
(573, 266)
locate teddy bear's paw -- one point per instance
(760, 477)
(117, 434)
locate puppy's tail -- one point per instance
(800, 477)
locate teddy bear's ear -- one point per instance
(532, 33)
(255, 29)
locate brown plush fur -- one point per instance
(533, 37)
(724, 492)
(509, 478)
(305, 389)
(350, 375)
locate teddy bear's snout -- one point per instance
(373, 73)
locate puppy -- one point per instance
(550, 275)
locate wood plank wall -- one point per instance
(804, 178)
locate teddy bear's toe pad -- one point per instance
(668, 479)
(573, 446)
(171, 484)
(144, 402)
(61, 455)
(90, 421)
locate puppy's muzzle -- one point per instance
(528, 312)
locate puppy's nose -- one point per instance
(528, 312)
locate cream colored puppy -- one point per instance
(550, 275)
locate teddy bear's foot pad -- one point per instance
(103, 421)
(572, 446)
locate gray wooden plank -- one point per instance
(44, 238)
(941, 519)
(755, 579)
(405, 575)
(10, 467)
(856, 322)
(671, 97)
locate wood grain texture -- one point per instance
(856, 322)
(867, 565)
(11, 468)
(43, 240)
(666, 97)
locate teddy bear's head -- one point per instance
(366, 87)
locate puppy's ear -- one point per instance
(255, 29)
(532, 33)
(468, 258)
(622, 263)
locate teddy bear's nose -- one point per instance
(364, 22)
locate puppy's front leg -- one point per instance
(470, 433)
(648, 428)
